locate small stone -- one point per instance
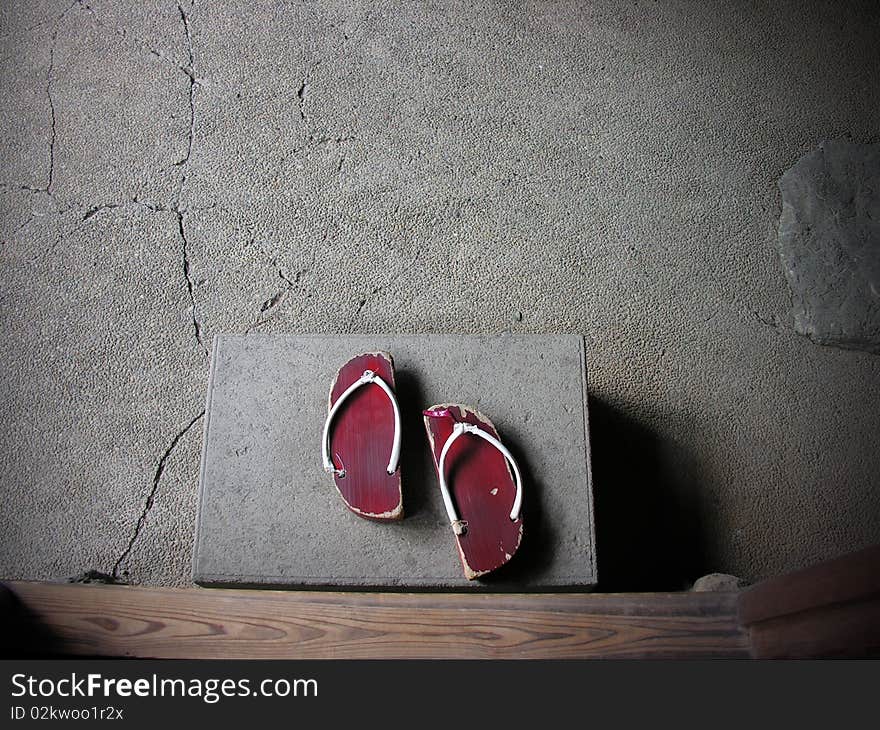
(716, 582)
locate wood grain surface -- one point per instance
(827, 610)
(198, 623)
(852, 577)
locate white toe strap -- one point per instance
(368, 377)
(459, 526)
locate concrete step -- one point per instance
(270, 517)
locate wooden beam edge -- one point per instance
(204, 623)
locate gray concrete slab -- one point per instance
(269, 515)
(579, 167)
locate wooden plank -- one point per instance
(849, 629)
(196, 623)
(849, 578)
(829, 609)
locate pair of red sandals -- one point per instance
(480, 481)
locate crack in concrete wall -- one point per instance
(50, 177)
(362, 302)
(92, 210)
(129, 38)
(151, 497)
(30, 28)
(197, 327)
(189, 70)
(50, 70)
(290, 284)
(304, 88)
(95, 209)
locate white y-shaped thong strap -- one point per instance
(368, 377)
(459, 526)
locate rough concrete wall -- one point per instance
(174, 171)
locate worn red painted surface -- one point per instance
(482, 489)
(361, 438)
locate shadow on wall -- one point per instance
(649, 525)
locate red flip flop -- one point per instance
(480, 484)
(361, 441)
